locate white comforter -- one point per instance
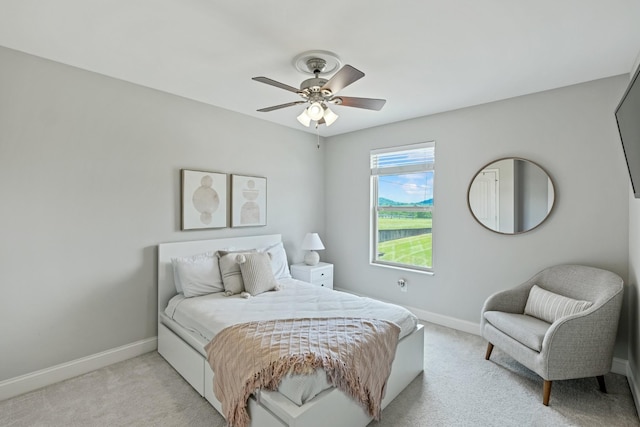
(209, 314)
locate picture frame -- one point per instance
(203, 199)
(248, 201)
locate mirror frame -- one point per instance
(553, 186)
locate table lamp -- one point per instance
(312, 243)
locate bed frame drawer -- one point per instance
(208, 388)
(188, 362)
(256, 411)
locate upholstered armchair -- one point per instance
(570, 324)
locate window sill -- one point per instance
(408, 269)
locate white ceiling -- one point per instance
(422, 56)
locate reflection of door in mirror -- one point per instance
(505, 196)
(484, 197)
(511, 196)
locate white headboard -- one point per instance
(166, 251)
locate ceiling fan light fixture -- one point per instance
(304, 119)
(315, 111)
(317, 91)
(329, 116)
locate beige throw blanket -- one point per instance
(355, 353)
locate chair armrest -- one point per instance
(510, 301)
(581, 345)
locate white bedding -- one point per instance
(208, 314)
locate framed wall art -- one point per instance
(203, 199)
(248, 201)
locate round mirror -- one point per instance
(511, 196)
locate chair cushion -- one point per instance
(550, 307)
(525, 329)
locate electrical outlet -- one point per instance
(403, 285)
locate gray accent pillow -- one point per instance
(256, 272)
(550, 307)
(230, 271)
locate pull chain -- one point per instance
(318, 135)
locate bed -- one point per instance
(182, 343)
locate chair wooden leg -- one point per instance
(603, 387)
(546, 392)
(489, 350)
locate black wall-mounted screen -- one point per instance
(628, 118)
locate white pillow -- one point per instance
(279, 263)
(550, 307)
(197, 275)
(176, 278)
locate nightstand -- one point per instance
(320, 274)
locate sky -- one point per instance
(407, 188)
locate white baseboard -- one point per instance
(35, 380)
(438, 319)
(620, 366)
(449, 322)
(633, 385)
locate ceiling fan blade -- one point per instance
(277, 107)
(271, 82)
(367, 103)
(343, 78)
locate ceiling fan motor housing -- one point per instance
(313, 84)
(312, 89)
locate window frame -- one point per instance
(375, 172)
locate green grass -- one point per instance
(403, 223)
(409, 250)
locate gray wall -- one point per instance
(571, 132)
(89, 179)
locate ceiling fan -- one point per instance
(318, 92)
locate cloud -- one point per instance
(413, 188)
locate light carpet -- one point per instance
(458, 388)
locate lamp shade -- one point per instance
(304, 118)
(329, 116)
(312, 242)
(315, 111)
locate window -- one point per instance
(402, 206)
